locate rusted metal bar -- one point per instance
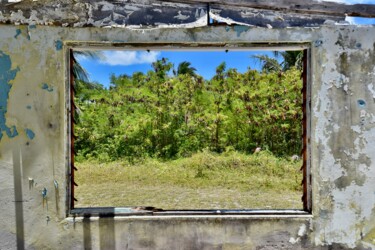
(72, 111)
(305, 154)
(130, 211)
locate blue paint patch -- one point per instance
(18, 32)
(28, 106)
(32, 26)
(6, 75)
(58, 44)
(318, 43)
(30, 134)
(239, 29)
(45, 86)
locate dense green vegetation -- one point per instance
(170, 116)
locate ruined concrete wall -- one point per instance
(179, 13)
(33, 147)
(343, 136)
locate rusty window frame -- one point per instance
(306, 125)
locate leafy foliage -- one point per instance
(163, 116)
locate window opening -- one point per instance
(163, 133)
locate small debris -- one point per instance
(31, 183)
(295, 158)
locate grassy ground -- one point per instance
(202, 181)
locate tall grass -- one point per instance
(204, 180)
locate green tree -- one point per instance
(79, 72)
(165, 116)
(185, 68)
(269, 64)
(289, 59)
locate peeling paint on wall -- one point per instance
(6, 75)
(18, 32)
(342, 142)
(371, 89)
(154, 12)
(47, 87)
(344, 108)
(30, 134)
(58, 44)
(238, 29)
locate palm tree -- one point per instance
(269, 64)
(290, 59)
(220, 71)
(162, 67)
(79, 73)
(185, 68)
(81, 77)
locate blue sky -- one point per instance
(127, 62)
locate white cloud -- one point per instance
(126, 58)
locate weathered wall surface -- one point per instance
(192, 13)
(33, 155)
